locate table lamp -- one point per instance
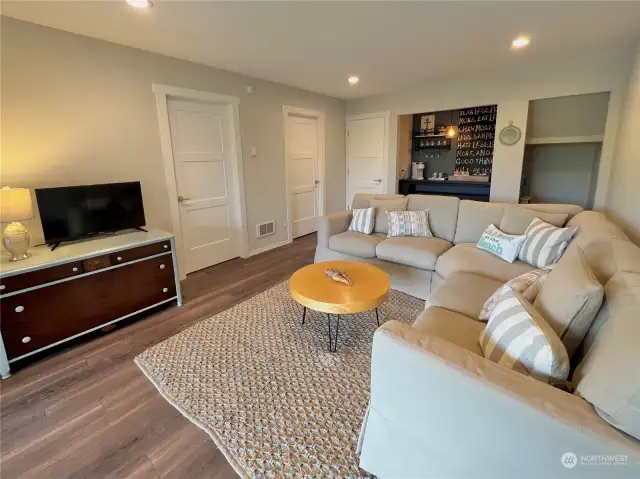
(15, 206)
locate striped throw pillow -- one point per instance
(517, 337)
(363, 221)
(527, 284)
(408, 223)
(544, 243)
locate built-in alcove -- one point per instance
(562, 152)
(561, 173)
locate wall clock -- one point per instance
(510, 135)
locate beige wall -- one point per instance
(623, 201)
(76, 110)
(512, 89)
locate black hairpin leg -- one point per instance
(333, 343)
(377, 317)
(304, 313)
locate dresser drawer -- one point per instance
(140, 252)
(97, 262)
(42, 276)
(38, 318)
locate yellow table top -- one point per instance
(311, 287)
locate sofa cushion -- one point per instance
(357, 244)
(594, 226)
(607, 257)
(474, 217)
(570, 298)
(519, 338)
(468, 258)
(416, 251)
(463, 293)
(443, 213)
(382, 206)
(450, 326)
(363, 200)
(571, 210)
(609, 377)
(517, 219)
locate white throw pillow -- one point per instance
(408, 223)
(544, 243)
(519, 338)
(362, 221)
(528, 285)
(501, 244)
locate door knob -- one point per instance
(379, 180)
(182, 198)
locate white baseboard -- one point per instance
(269, 247)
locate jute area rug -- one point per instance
(265, 387)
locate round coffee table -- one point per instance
(313, 289)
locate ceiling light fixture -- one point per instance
(521, 42)
(353, 80)
(140, 3)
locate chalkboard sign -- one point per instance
(476, 134)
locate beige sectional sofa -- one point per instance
(417, 265)
(439, 409)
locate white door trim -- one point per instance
(164, 93)
(385, 158)
(320, 116)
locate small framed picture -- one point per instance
(427, 124)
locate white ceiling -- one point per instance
(317, 45)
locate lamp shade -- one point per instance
(15, 204)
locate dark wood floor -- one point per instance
(88, 411)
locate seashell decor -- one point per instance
(339, 276)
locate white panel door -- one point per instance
(366, 155)
(201, 139)
(302, 156)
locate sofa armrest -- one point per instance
(476, 415)
(332, 225)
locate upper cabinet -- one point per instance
(568, 119)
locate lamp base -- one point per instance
(16, 240)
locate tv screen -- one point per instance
(76, 212)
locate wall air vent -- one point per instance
(266, 229)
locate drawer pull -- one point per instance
(2, 286)
(19, 309)
(119, 258)
(75, 269)
(26, 339)
(162, 266)
(165, 290)
(166, 246)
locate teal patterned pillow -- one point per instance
(501, 244)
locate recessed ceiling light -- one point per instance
(140, 3)
(353, 80)
(521, 42)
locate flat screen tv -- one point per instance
(75, 212)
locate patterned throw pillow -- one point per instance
(517, 337)
(501, 244)
(408, 223)
(544, 243)
(528, 285)
(362, 221)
